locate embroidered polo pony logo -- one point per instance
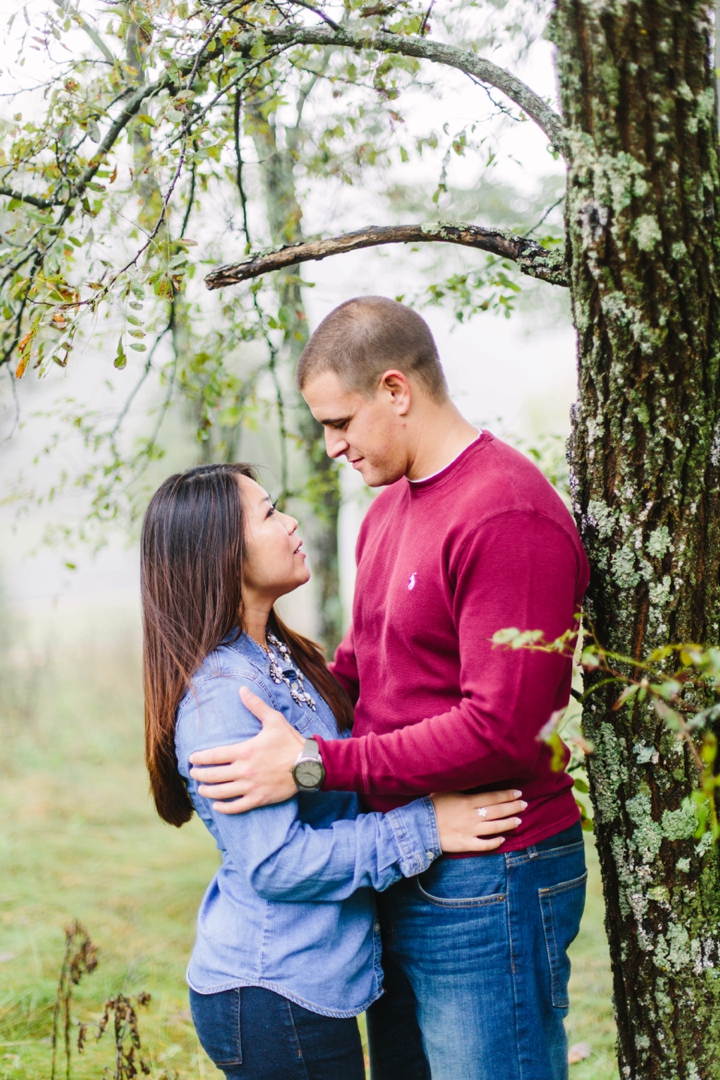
(412, 580)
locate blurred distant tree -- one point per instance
(638, 133)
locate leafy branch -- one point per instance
(673, 679)
(423, 48)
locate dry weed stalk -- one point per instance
(80, 959)
(126, 1035)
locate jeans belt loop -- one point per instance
(532, 852)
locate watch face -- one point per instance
(308, 774)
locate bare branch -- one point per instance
(317, 11)
(424, 49)
(34, 200)
(531, 257)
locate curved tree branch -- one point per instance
(424, 49)
(531, 257)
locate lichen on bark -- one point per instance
(637, 91)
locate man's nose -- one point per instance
(335, 443)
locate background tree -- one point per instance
(231, 134)
(638, 133)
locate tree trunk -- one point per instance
(638, 96)
(323, 494)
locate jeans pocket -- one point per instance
(217, 1021)
(474, 882)
(561, 908)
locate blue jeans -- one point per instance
(254, 1034)
(476, 954)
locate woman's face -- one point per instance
(274, 561)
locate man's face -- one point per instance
(371, 432)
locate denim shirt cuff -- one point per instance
(416, 834)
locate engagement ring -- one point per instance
(482, 812)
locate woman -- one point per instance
(287, 951)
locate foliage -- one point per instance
(676, 679)
(135, 165)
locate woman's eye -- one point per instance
(271, 510)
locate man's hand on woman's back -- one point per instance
(252, 773)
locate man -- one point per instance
(467, 538)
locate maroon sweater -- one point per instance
(442, 564)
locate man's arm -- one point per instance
(518, 570)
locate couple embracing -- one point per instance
(393, 836)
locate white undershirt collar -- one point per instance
(422, 479)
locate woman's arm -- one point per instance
(283, 857)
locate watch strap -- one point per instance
(310, 750)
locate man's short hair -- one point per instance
(363, 338)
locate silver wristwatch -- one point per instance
(309, 771)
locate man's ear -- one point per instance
(397, 385)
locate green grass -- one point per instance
(79, 839)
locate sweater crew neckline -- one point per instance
(427, 482)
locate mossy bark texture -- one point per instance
(638, 100)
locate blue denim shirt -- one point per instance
(292, 906)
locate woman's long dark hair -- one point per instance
(192, 553)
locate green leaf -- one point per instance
(138, 348)
(628, 693)
(120, 359)
(589, 659)
(527, 637)
(672, 718)
(559, 753)
(258, 48)
(668, 689)
(660, 654)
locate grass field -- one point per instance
(79, 839)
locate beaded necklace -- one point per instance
(282, 671)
